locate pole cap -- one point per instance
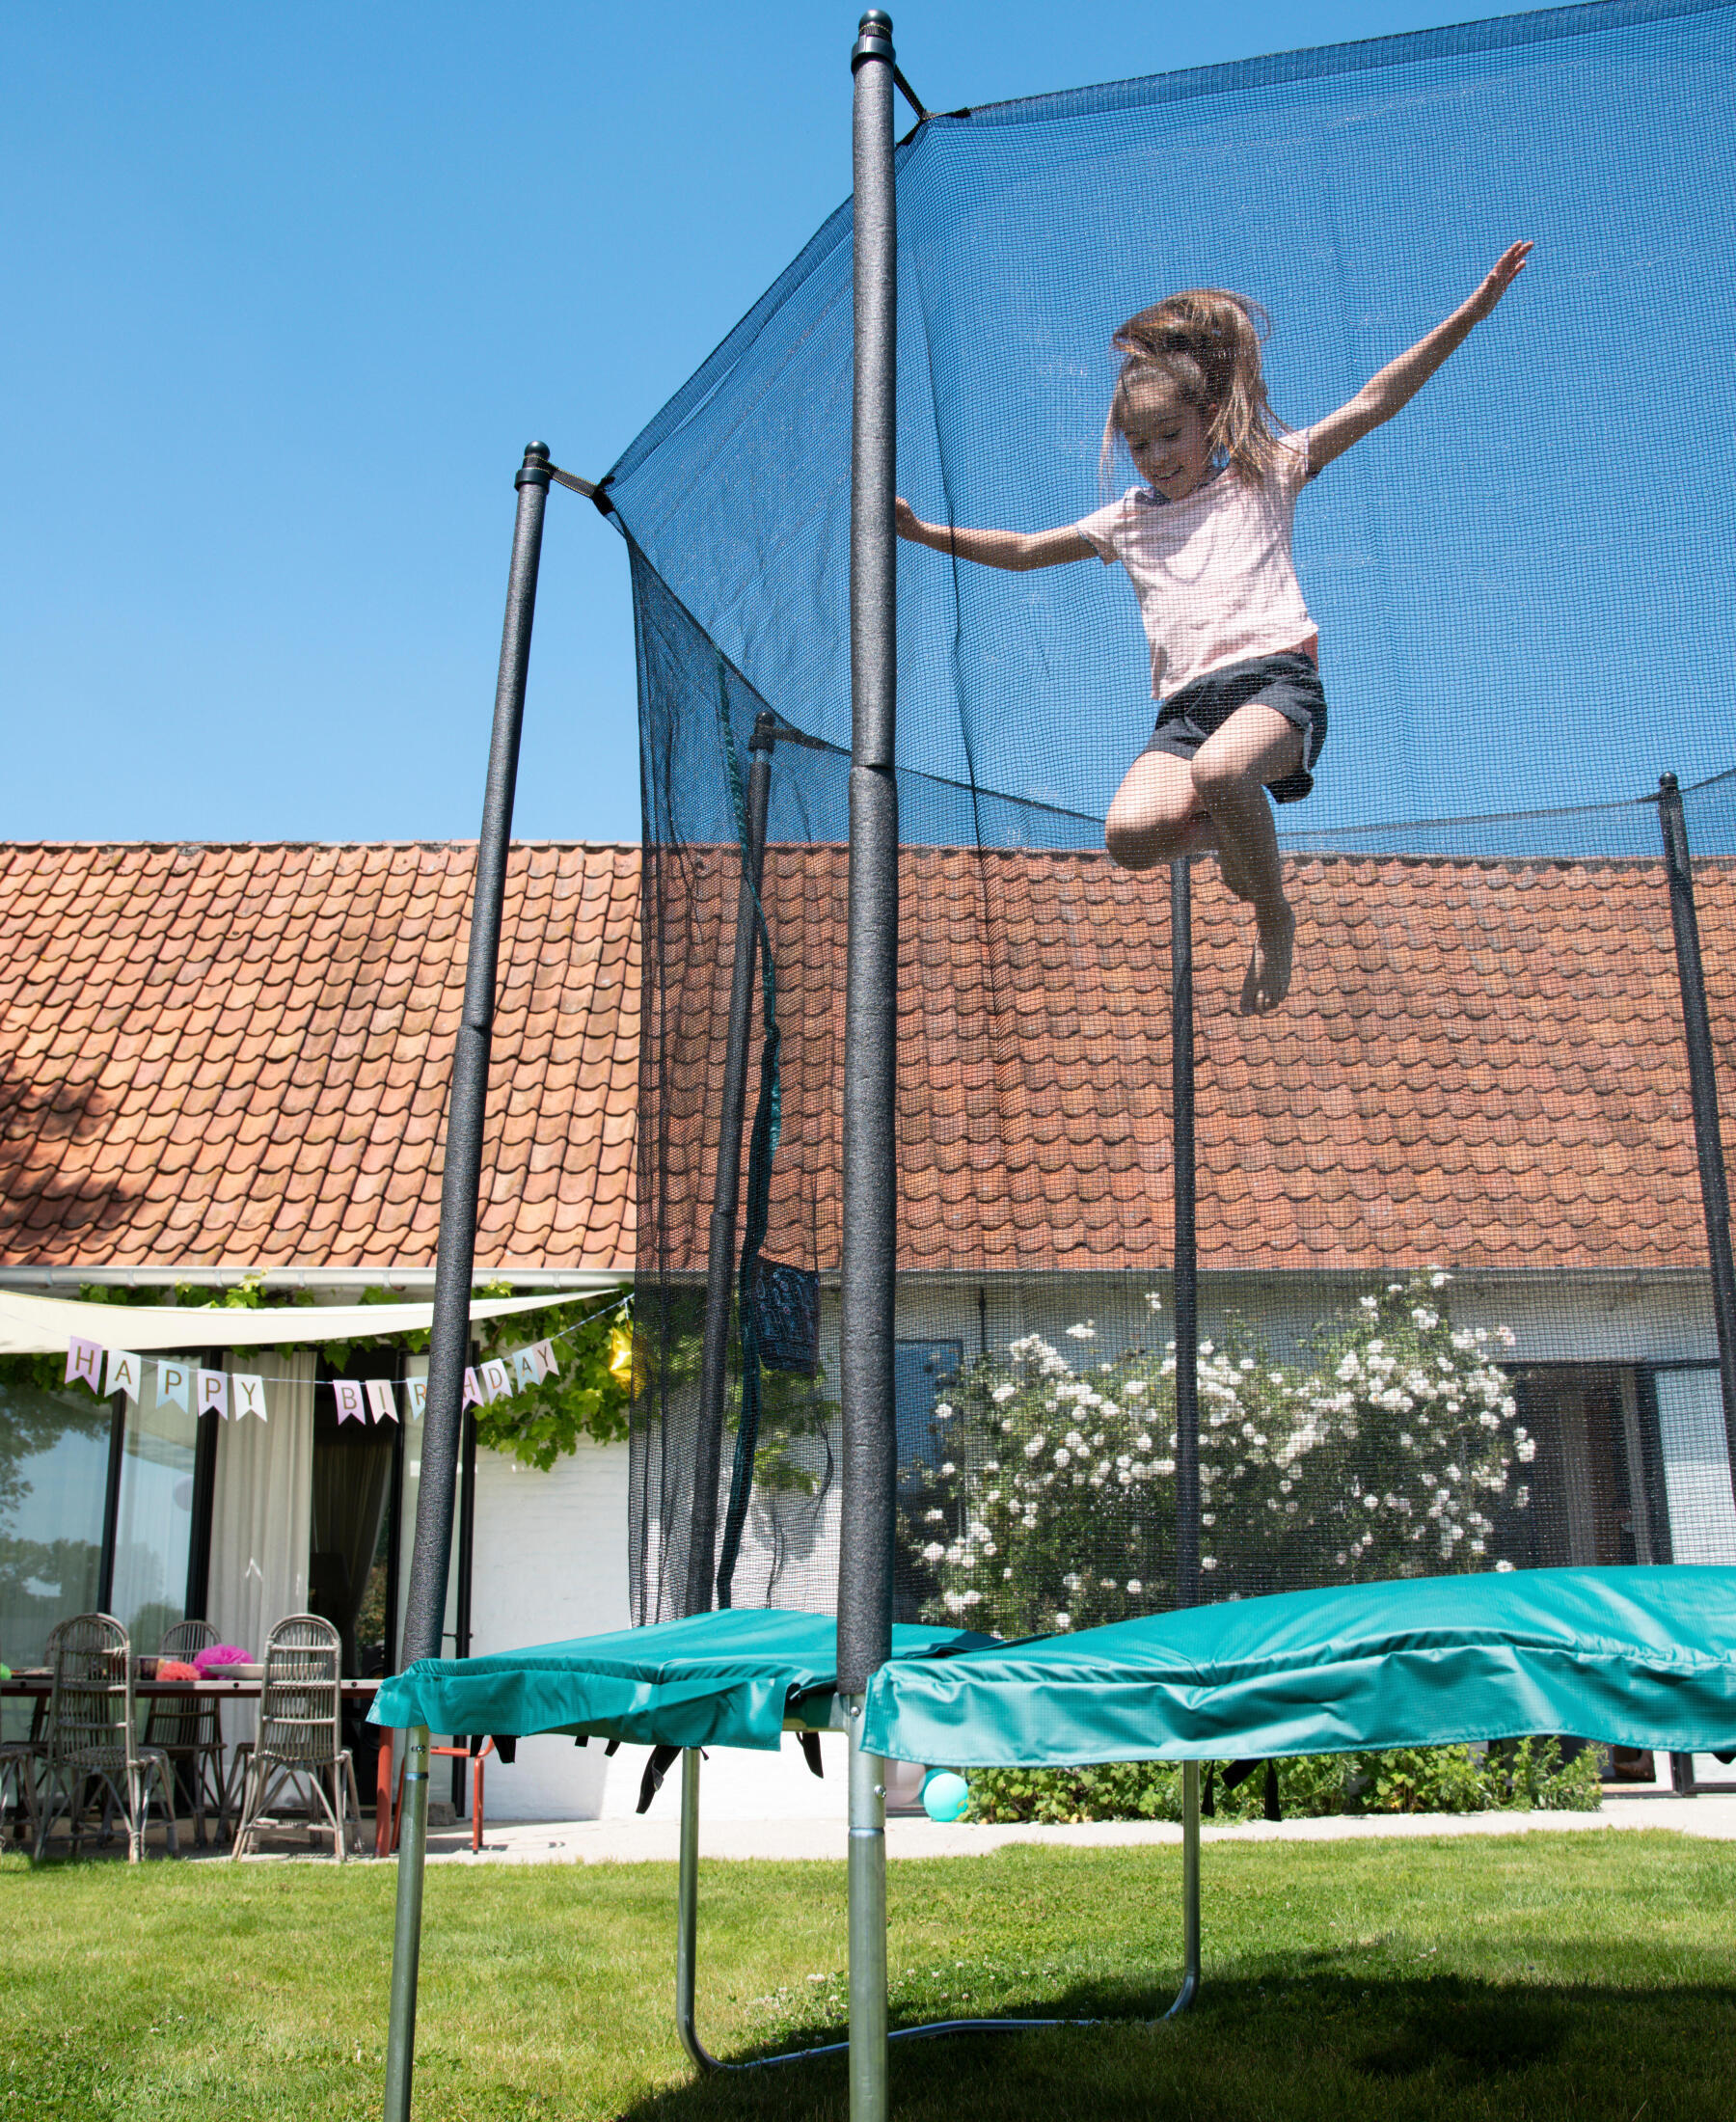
(534, 470)
(764, 732)
(1668, 783)
(874, 37)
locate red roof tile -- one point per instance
(238, 1055)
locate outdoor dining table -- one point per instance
(38, 1685)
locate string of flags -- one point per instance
(237, 1394)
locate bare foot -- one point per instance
(1269, 968)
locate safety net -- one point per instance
(1455, 1308)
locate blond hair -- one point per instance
(1205, 342)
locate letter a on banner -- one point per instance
(381, 1399)
(525, 1368)
(124, 1371)
(174, 1382)
(250, 1395)
(84, 1362)
(349, 1400)
(212, 1387)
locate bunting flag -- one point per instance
(124, 1371)
(242, 1393)
(84, 1361)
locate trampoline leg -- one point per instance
(868, 2086)
(406, 1937)
(1190, 1890)
(687, 1915)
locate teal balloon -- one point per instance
(945, 1796)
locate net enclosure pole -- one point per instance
(870, 1030)
(448, 1340)
(720, 1271)
(1187, 1369)
(1702, 1086)
(1186, 1245)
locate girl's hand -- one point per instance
(908, 524)
(1507, 269)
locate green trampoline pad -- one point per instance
(714, 1679)
(1639, 1656)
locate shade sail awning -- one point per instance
(41, 1325)
(714, 1679)
(1642, 1657)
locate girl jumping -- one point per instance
(1205, 540)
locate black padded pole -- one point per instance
(1188, 1259)
(720, 1261)
(1702, 1087)
(871, 995)
(448, 1343)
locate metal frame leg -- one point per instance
(406, 1935)
(870, 2037)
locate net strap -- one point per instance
(762, 1148)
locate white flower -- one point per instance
(1034, 1445)
(1204, 1347)
(973, 1599)
(933, 1551)
(1394, 1289)
(1369, 1303)
(934, 1517)
(948, 1470)
(992, 1466)
(1006, 1576)
(1063, 1621)
(1527, 1449)
(1000, 1396)
(1208, 1562)
(1086, 1332)
(1507, 1337)
(944, 1408)
(1422, 1318)
(1135, 1388)
(1438, 1278)
(1063, 1456)
(1153, 1300)
(1503, 1567)
(1135, 1586)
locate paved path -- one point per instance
(652, 1839)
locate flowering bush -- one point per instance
(1055, 1503)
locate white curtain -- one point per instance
(262, 1511)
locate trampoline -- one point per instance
(1052, 1345)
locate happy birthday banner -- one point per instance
(238, 1394)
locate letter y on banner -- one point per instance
(250, 1395)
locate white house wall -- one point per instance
(549, 1562)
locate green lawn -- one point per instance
(1591, 1975)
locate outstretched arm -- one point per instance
(1400, 381)
(1017, 549)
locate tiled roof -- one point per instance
(1479, 1065)
(237, 1055)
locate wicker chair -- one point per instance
(300, 1747)
(92, 1740)
(19, 1760)
(190, 1732)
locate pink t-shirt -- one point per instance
(1213, 573)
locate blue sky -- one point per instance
(289, 290)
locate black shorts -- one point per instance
(1290, 683)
